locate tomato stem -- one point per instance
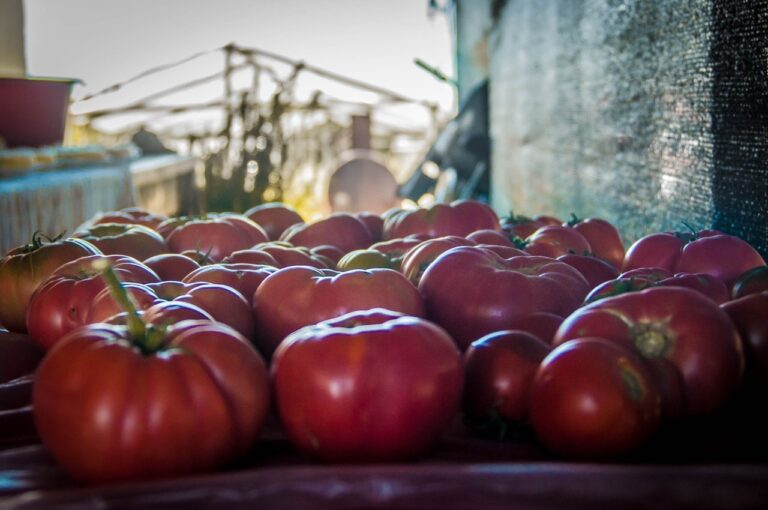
(136, 326)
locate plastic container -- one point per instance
(33, 111)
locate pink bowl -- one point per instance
(33, 111)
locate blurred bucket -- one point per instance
(33, 111)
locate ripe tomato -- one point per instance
(460, 218)
(749, 315)
(274, 218)
(295, 297)
(132, 240)
(342, 230)
(520, 226)
(595, 270)
(375, 224)
(471, 291)
(498, 370)
(418, 259)
(171, 266)
(593, 398)
(132, 215)
(276, 255)
(670, 325)
(492, 237)
(244, 278)
(215, 237)
(369, 386)
(603, 238)
(554, 241)
(753, 281)
(61, 303)
(109, 407)
(24, 268)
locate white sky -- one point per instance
(108, 41)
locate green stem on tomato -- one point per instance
(136, 327)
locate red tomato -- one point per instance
(244, 278)
(618, 287)
(375, 224)
(274, 218)
(457, 219)
(223, 303)
(723, 256)
(108, 408)
(753, 281)
(749, 315)
(135, 241)
(703, 283)
(472, 292)
(298, 296)
(675, 325)
(367, 389)
(61, 303)
(331, 254)
(498, 370)
(595, 270)
(24, 268)
(593, 398)
(602, 237)
(397, 249)
(132, 215)
(554, 241)
(480, 214)
(18, 357)
(171, 266)
(215, 237)
(542, 325)
(547, 220)
(418, 259)
(342, 230)
(276, 255)
(493, 237)
(520, 226)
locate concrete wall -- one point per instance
(647, 113)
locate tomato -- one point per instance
(222, 302)
(370, 386)
(171, 266)
(24, 268)
(554, 241)
(548, 220)
(342, 230)
(132, 215)
(603, 238)
(703, 283)
(135, 241)
(480, 215)
(753, 281)
(542, 325)
(247, 226)
(244, 278)
(61, 303)
(274, 218)
(375, 224)
(276, 255)
(749, 314)
(723, 256)
(331, 255)
(617, 287)
(493, 237)
(109, 408)
(365, 259)
(471, 291)
(520, 226)
(670, 325)
(298, 296)
(498, 370)
(397, 249)
(215, 237)
(18, 357)
(595, 270)
(593, 398)
(418, 259)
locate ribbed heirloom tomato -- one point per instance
(368, 386)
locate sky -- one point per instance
(108, 41)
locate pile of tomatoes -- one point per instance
(169, 340)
